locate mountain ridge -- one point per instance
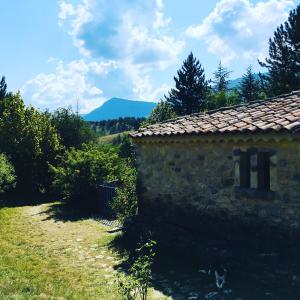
(115, 108)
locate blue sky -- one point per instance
(57, 51)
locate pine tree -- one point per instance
(221, 79)
(249, 86)
(3, 87)
(283, 63)
(190, 90)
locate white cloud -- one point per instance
(239, 29)
(132, 30)
(72, 17)
(66, 10)
(67, 84)
(143, 86)
(160, 20)
(131, 33)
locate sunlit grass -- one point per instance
(35, 263)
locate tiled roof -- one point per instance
(272, 115)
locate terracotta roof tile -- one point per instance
(275, 114)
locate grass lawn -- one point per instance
(45, 258)
(110, 139)
(47, 252)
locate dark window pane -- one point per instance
(245, 170)
(263, 170)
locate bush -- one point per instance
(125, 202)
(127, 149)
(7, 174)
(217, 100)
(162, 112)
(135, 285)
(81, 171)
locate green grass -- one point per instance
(112, 138)
(34, 263)
(48, 252)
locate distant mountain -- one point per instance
(235, 83)
(119, 108)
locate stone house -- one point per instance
(238, 163)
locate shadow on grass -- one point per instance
(72, 212)
(21, 200)
(182, 265)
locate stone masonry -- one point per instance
(193, 178)
(239, 163)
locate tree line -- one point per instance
(194, 93)
(33, 140)
(107, 127)
(56, 153)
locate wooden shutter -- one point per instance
(263, 170)
(244, 170)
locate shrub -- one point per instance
(81, 171)
(162, 112)
(127, 149)
(7, 174)
(137, 282)
(125, 202)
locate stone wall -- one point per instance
(186, 181)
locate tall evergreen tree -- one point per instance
(3, 87)
(190, 90)
(283, 63)
(249, 86)
(221, 79)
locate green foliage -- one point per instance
(219, 95)
(108, 127)
(283, 63)
(221, 99)
(249, 87)
(80, 171)
(221, 79)
(190, 90)
(7, 174)
(141, 268)
(232, 98)
(73, 130)
(127, 149)
(126, 202)
(136, 284)
(162, 112)
(30, 140)
(127, 287)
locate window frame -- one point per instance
(260, 183)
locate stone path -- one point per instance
(84, 245)
(80, 242)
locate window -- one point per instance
(254, 169)
(263, 171)
(244, 169)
